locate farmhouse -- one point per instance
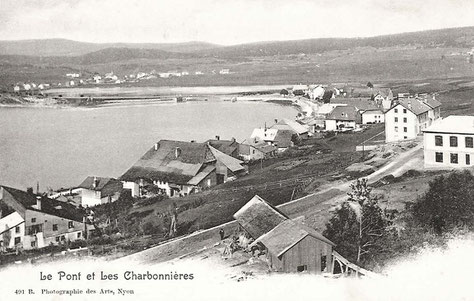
(28, 221)
(179, 168)
(281, 139)
(253, 149)
(290, 246)
(286, 124)
(96, 191)
(448, 143)
(409, 117)
(343, 117)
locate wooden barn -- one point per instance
(291, 246)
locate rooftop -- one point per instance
(453, 124)
(347, 113)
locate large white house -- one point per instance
(409, 117)
(449, 142)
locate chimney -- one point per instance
(177, 152)
(156, 146)
(276, 120)
(96, 182)
(38, 202)
(218, 137)
(233, 139)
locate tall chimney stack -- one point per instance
(38, 202)
(156, 146)
(96, 182)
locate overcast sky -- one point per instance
(224, 21)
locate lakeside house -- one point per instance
(252, 149)
(286, 124)
(29, 221)
(98, 190)
(448, 143)
(228, 147)
(179, 168)
(281, 139)
(290, 246)
(409, 117)
(343, 117)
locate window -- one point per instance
(454, 158)
(439, 157)
(404, 111)
(438, 140)
(405, 129)
(33, 244)
(323, 263)
(468, 159)
(396, 129)
(396, 110)
(17, 229)
(405, 137)
(17, 240)
(396, 119)
(79, 234)
(55, 227)
(302, 268)
(63, 237)
(468, 142)
(70, 224)
(57, 238)
(453, 141)
(404, 119)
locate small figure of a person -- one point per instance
(221, 233)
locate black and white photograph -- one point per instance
(236, 150)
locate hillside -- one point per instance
(63, 47)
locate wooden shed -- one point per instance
(291, 246)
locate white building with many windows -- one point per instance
(449, 142)
(409, 117)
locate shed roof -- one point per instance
(283, 138)
(287, 124)
(258, 217)
(230, 162)
(201, 175)
(287, 234)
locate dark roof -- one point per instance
(286, 234)
(163, 164)
(346, 113)
(258, 217)
(88, 183)
(415, 105)
(228, 147)
(230, 162)
(48, 206)
(283, 138)
(433, 103)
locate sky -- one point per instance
(224, 22)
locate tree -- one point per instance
(359, 226)
(284, 92)
(370, 85)
(447, 204)
(327, 96)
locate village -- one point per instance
(172, 174)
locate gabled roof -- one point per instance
(361, 104)
(345, 113)
(264, 134)
(172, 161)
(414, 105)
(260, 145)
(48, 206)
(258, 217)
(88, 183)
(230, 162)
(283, 138)
(287, 124)
(286, 234)
(228, 147)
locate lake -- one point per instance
(59, 147)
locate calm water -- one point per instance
(60, 147)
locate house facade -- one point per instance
(98, 190)
(449, 143)
(178, 168)
(342, 117)
(373, 116)
(31, 221)
(251, 150)
(409, 117)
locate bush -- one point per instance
(80, 243)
